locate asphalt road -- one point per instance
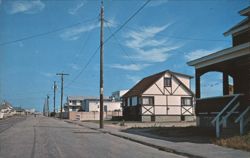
(9, 122)
(42, 137)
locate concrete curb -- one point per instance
(161, 148)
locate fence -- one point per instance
(93, 115)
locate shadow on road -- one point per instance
(176, 134)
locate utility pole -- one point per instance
(47, 107)
(101, 66)
(62, 75)
(44, 107)
(54, 98)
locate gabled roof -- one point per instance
(5, 105)
(147, 82)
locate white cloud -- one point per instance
(132, 67)
(133, 78)
(74, 66)
(48, 74)
(24, 6)
(199, 53)
(75, 32)
(154, 54)
(147, 47)
(155, 3)
(74, 10)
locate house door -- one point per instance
(105, 108)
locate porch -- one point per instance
(235, 101)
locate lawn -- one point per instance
(236, 142)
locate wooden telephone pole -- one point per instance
(101, 66)
(54, 98)
(47, 106)
(62, 75)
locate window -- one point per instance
(134, 101)
(186, 101)
(167, 82)
(128, 101)
(148, 100)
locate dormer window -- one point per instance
(167, 82)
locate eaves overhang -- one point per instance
(220, 56)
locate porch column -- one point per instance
(197, 85)
(225, 84)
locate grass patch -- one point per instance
(236, 142)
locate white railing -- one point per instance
(243, 120)
(225, 113)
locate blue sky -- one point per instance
(164, 35)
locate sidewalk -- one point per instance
(182, 148)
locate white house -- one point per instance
(75, 103)
(6, 110)
(165, 96)
(91, 105)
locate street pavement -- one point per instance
(42, 137)
(9, 122)
(187, 148)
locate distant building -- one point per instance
(165, 96)
(6, 109)
(74, 103)
(91, 105)
(81, 103)
(118, 94)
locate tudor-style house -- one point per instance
(233, 107)
(165, 96)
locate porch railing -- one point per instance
(243, 119)
(227, 111)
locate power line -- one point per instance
(82, 70)
(175, 37)
(75, 59)
(45, 33)
(121, 47)
(127, 21)
(107, 39)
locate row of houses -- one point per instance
(165, 96)
(92, 104)
(7, 110)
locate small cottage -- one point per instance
(165, 96)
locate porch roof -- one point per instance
(221, 56)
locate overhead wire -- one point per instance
(107, 39)
(174, 37)
(45, 33)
